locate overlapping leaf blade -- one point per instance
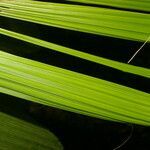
(143, 5)
(101, 21)
(68, 90)
(18, 134)
(110, 63)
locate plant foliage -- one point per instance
(61, 88)
(64, 89)
(143, 5)
(100, 60)
(16, 134)
(101, 21)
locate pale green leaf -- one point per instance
(110, 63)
(72, 91)
(101, 21)
(143, 5)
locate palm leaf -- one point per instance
(110, 63)
(101, 21)
(143, 5)
(61, 88)
(17, 134)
